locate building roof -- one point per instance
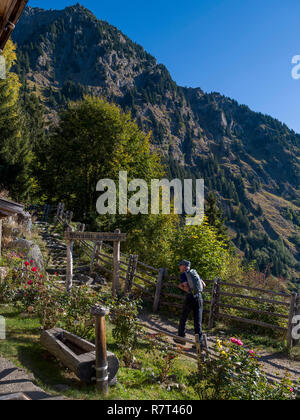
(9, 208)
(10, 12)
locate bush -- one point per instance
(203, 247)
(235, 374)
(123, 316)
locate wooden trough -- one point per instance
(77, 354)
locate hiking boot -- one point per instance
(179, 341)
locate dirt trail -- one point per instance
(276, 365)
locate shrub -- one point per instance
(123, 316)
(235, 374)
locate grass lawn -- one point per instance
(22, 347)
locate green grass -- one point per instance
(22, 347)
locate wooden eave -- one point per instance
(10, 12)
(9, 208)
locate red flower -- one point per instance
(34, 269)
(27, 263)
(31, 262)
(41, 276)
(30, 282)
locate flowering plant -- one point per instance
(237, 374)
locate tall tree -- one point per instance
(15, 153)
(94, 140)
(214, 215)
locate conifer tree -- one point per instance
(214, 215)
(15, 153)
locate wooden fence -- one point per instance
(223, 300)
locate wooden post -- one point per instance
(159, 284)
(297, 312)
(69, 278)
(214, 307)
(62, 209)
(132, 266)
(57, 213)
(48, 212)
(70, 217)
(95, 252)
(198, 349)
(116, 271)
(101, 352)
(293, 307)
(44, 213)
(0, 237)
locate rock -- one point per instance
(30, 250)
(25, 220)
(16, 232)
(100, 280)
(172, 386)
(3, 273)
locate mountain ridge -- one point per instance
(250, 160)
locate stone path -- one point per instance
(14, 380)
(57, 251)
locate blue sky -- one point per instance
(240, 48)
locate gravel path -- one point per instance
(14, 380)
(276, 365)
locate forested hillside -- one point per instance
(249, 161)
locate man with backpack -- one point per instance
(193, 286)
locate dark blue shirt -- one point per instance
(183, 278)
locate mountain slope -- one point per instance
(251, 161)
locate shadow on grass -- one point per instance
(44, 367)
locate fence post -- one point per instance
(57, 213)
(44, 212)
(293, 307)
(95, 252)
(69, 277)
(127, 282)
(159, 284)
(132, 266)
(0, 237)
(297, 313)
(70, 217)
(62, 209)
(198, 350)
(116, 270)
(215, 300)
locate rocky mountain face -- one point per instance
(251, 161)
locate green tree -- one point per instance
(203, 247)
(94, 140)
(15, 155)
(214, 215)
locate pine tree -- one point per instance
(14, 146)
(214, 215)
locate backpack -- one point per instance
(195, 282)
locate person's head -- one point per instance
(184, 266)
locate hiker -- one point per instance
(193, 286)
